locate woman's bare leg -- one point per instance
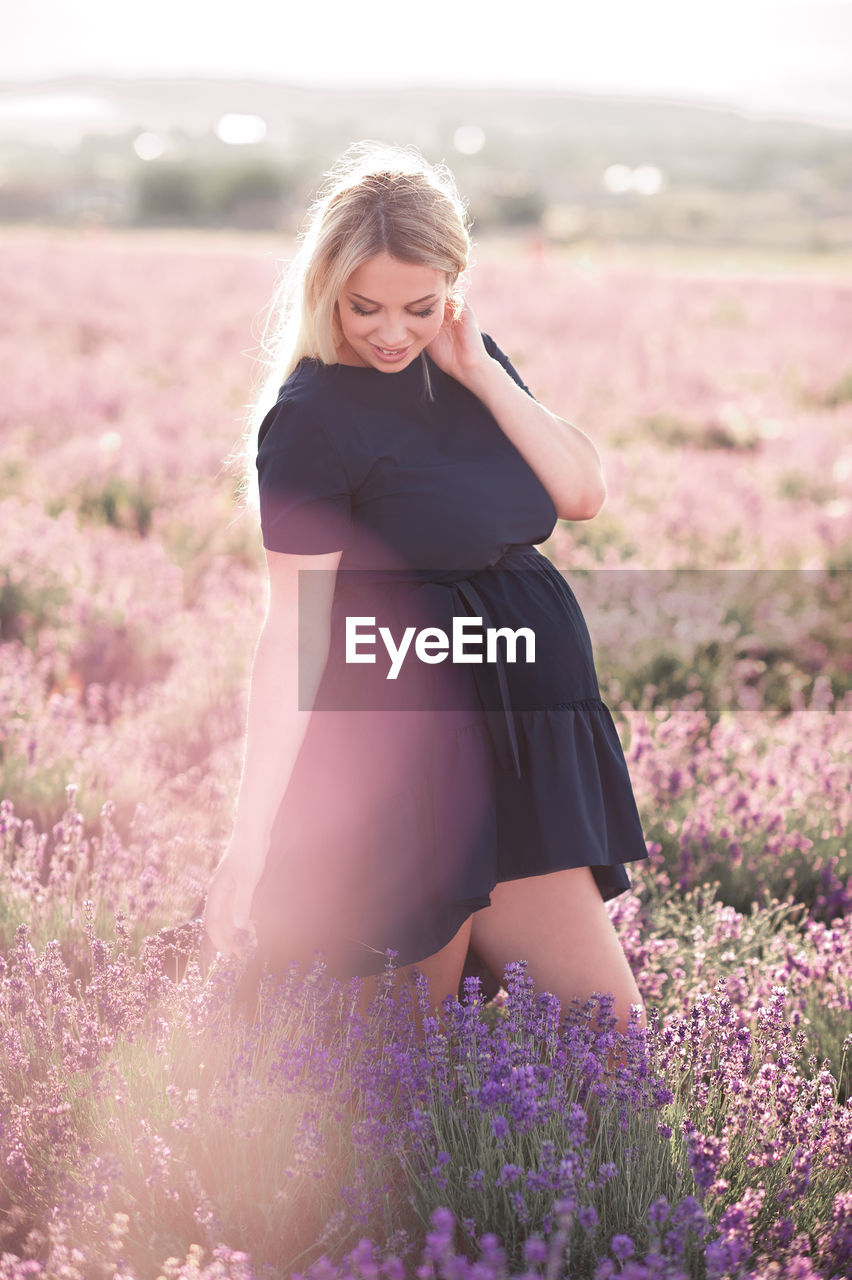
(442, 971)
(559, 924)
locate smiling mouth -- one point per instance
(391, 353)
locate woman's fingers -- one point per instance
(226, 917)
(218, 912)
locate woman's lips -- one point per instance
(389, 356)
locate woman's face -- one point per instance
(389, 311)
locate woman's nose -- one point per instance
(393, 333)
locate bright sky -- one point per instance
(753, 53)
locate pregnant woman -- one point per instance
(429, 766)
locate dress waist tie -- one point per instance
(501, 724)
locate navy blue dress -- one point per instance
(411, 797)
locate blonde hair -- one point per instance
(376, 198)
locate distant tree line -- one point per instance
(252, 194)
(541, 168)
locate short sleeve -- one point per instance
(304, 492)
(501, 358)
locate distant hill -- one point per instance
(67, 151)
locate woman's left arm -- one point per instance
(562, 456)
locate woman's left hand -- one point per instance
(458, 348)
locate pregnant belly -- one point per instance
(527, 591)
(509, 635)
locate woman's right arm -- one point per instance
(288, 658)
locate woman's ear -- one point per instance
(454, 305)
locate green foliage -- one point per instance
(228, 1141)
(115, 501)
(829, 1040)
(28, 603)
(38, 794)
(198, 548)
(604, 536)
(732, 639)
(731, 863)
(698, 946)
(211, 193)
(204, 1131)
(798, 485)
(731, 431)
(647, 1167)
(14, 471)
(840, 393)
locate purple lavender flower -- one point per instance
(622, 1246)
(587, 1216)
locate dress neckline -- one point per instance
(416, 363)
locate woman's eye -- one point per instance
(359, 311)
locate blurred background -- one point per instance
(695, 123)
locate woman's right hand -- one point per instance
(227, 920)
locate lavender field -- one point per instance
(146, 1129)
